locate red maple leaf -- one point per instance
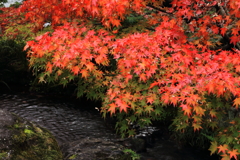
(112, 108)
(236, 102)
(233, 153)
(222, 148)
(223, 31)
(75, 70)
(235, 39)
(84, 73)
(187, 109)
(90, 66)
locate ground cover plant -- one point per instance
(141, 56)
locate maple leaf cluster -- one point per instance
(189, 50)
(13, 25)
(8, 17)
(81, 50)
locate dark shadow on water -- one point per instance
(163, 147)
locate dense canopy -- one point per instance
(139, 56)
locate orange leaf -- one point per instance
(235, 31)
(84, 73)
(238, 23)
(213, 113)
(187, 109)
(150, 100)
(90, 66)
(115, 31)
(237, 68)
(165, 98)
(234, 39)
(75, 70)
(49, 67)
(122, 105)
(112, 108)
(223, 31)
(153, 84)
(236, 102)
(233, 153)
(222, 148)
(196, 126)
(103, 50)
(143, 77)
(199, 110)
(116, 22)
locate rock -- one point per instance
(6, 119)
(94, 148)
(23, 140)
(136, 144)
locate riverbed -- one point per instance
(71, 120)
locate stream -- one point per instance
(69, 122)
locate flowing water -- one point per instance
(69, 122)
(65, 121)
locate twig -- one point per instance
(158, 9)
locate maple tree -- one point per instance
(139, 56)
(2, 1)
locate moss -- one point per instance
(73, 156)
(32, 142)
(3, 155)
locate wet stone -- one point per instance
(6, 119)
(20, 138)
(93, 148)
(68, 125)
(82, 134)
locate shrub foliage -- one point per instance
(141, 56)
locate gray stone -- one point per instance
(19, 139)
(91, 149)
(6, 119)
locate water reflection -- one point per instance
(70, 122)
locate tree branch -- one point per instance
(158, 9)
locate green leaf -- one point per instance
(145, 121)
(212, 124)
(139, 110)
(158, 111)
(223, 139)
(64, 81)
(208, 137)
(133, 118)
(73, 156)
(143, 103)
(213, 147)
(229, 140)
(149, 109)
(28, 131)
(71, 77)
(131, 132)
(123, 127)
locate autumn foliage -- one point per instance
(182, 53)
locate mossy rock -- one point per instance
(23, 140)
(96, 149)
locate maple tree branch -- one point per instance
(150, 29)
(110, 75)
(226, 36)
(224, 12)
(158, 9)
